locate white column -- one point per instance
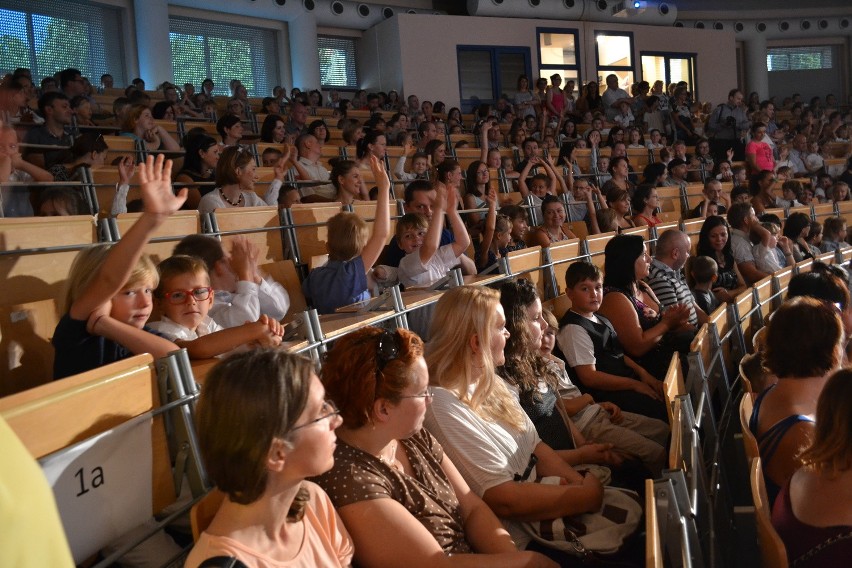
(303, 52)
(756, 75)
(152, 41)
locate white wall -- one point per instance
(427, 62)
(379, 57)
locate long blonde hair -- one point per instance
(87, 266)
(460, 314)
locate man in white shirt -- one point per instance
(613, 97)
(308, 167)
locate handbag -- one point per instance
(602, 532)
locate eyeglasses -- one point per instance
(327, 410)
(181, 296)
(428, 394)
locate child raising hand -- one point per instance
(110, 288)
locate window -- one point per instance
(47, 36)
(799, 58)
(337, 62)
(558, 53)
(488, 73)
(223, 52)
(614, 55)
(669, 68)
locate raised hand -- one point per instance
(126, 168)
(155, 176)
(377, 165)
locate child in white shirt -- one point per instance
(242, 294)
(424, 262)
(185, 297)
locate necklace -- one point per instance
(558, 236)
(392, 462)
(239, 202)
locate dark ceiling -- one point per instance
(459, 7)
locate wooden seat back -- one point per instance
(749, 441)
(312, 240)
(60, 414)
(772, 549)
(167, 235)
(33, 297)
(259, 224)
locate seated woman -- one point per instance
(538, 384)
(619, 204)
(319, 130)
(263, 427)
(645, 204)
(803, 346)
(631, 306)
(346, 178)
(273, 130)
(762, 189)
(89, 150)
(554, 229)
(714, 241)
(389, 469)
(813, 512)
(199, 166)
(235, 178)
(478, 420)
(619, 169)
(139, 124)
(230, 129)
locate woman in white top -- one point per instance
(235, 177)
(481, 425)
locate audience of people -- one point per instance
(449, 447)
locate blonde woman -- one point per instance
(481, 425)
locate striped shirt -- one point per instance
(669, 287)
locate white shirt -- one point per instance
(318, 173)
(249, 302)
(413, 272)
(487, 454)
(214, 200)
(175, 331)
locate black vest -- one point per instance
(609, 354)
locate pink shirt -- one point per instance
(326, 542)
(762, 155)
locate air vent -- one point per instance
(761, 27)
(363, 10)
(718, 26)
(699, 25)
(337, 8)
(664, 9)
(387, 13)
(784, 26)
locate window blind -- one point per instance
(223, 52)
(337, 62)
(799, 58)
(47, 36)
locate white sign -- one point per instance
(103, 486)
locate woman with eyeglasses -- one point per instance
(263, 427)
(402, 499)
